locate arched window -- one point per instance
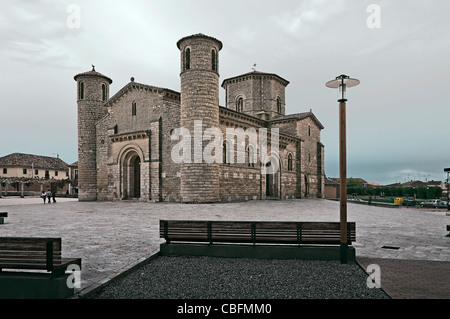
(278, 105)
(226, 153)
(214, 60)
(103, 92)
(240, 105)
(81, 91)
(133, 109)
(187, 59)
(251, 156)
(290, 166)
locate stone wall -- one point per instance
(104, 129)
(139, 123)
(309, 131)
(259, 91)
(239, 183)
(199, 102)
(170, 171)
(91, 99)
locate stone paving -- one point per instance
(112, 237)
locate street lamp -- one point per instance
(447, 170)
(341, 83)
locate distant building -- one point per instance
(33, 166)
(417, 184)
(436, 184)
(332, 189)
(25, 168)
(413, 184)
(73, 177)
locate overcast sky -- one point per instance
(397, 118)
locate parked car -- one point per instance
(442, 204)
(431, 203)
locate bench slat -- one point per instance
(255, 232)
(36, 244)
(33, 253)
(64, 263)
(38, 264)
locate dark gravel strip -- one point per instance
(227, 278)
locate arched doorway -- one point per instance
(269, 182)
(272, 172)
(131, 175)
(137, 177)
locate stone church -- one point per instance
(127, 142)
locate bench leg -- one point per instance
(2, 220)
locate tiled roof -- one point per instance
(93, 73)
(394, 185)
(332, 181)
(200, 35)
(414, 184)
(299, 116)
(135, 85)
(29, 160)
(435, 183)
(258, 73)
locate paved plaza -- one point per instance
(409, 244)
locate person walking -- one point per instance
(43, 195)
(49, 196)
(370, 199)
(53, 196)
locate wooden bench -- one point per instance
(33, 267)
(3, 215)
(34, 254)
(275, 234)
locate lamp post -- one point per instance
(341, 83)
(447, 170)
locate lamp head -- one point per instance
(341, 83)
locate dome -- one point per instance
(199, 35)
(93, 73)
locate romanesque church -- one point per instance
(127, 142)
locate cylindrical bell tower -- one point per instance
(92, 94)
(199, 110)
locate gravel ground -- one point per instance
(229, 278)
